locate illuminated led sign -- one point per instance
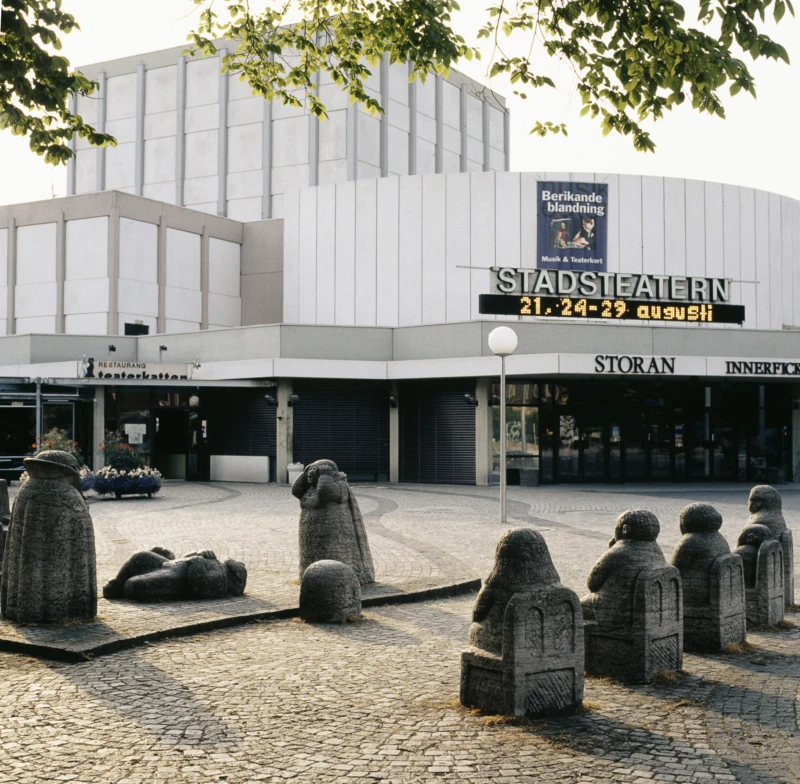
(609, 309)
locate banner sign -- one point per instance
(572, 223)
(153, 371)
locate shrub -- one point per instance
(118, 453)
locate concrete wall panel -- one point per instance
(183, 261)
(36, 254)
(160, 89)
(224, 270)
(87, 249)
(136, 296)
(35, 299)
(121, 100)
(138, 250)
(183, 305)
(86, 296)
(202, 82)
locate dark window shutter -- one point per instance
(241, 422)
(346, 424)
(437, 433)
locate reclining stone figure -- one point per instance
(633, 617)
(766, 508)
(762, 559)
(49, 566)
(526, 638)
(713, 582)
(157, 576)
(331, 525)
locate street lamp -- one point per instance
(503, 342)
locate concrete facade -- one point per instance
(191, 136)
(91, 264)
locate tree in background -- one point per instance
(36, 82)
(631, 60)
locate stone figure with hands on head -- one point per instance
(331, 525)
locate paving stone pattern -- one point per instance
(377, 700)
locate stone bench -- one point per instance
(635, 649)
(721, 623)
(540, 670)
(765, 600)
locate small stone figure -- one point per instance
(157, 576)
(526, 638)
(766, 508)
(762, 558)
(713, 582)
(330, 593)
(49, 561)
(331, 526)
(634, 615)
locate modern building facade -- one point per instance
(340, 308)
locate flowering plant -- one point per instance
(57, 438)
(118, 453)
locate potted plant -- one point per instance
(56, 438)
(123, 473)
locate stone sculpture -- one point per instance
(331, 526)
(330, 593)
(766, 508)
(157, 576)
(49, 572)
(634, 613)
(525, 654)
(713, 582)
(762, 558)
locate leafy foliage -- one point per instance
(632, 60)
(343, 38)
(36, 82)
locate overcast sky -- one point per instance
(757, 145)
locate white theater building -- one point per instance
(242, 286)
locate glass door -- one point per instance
(594, 450)
(660, 445)
(568, 448)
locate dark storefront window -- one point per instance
(649, 431)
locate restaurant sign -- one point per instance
(150, 371)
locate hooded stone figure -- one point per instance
(766, 508)
(49, 572)
(521, 562)
(701, 545)
(750, 540)
(331, 525)
(613, 577)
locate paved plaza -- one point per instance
(378, 700)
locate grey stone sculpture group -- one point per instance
(531, 639)
(49, 562)
(335, 559)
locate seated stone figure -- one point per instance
(331, 525)
(526, 638)
(762, 559)
(5, 517)
(713, 582)
(157, 576)
(766, 508)
(633, 617)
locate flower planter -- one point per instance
(118, 482)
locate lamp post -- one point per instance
(503, 342)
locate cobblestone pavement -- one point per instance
(420, 535)
(377, 700)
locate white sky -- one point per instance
(757, 145)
